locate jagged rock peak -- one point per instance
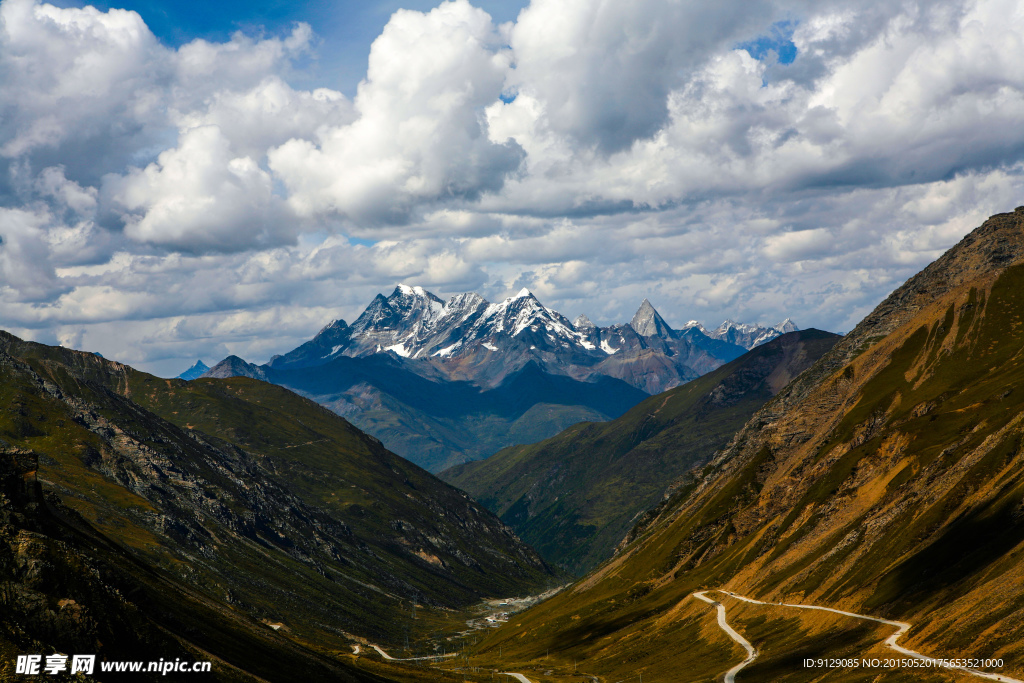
(648, 323)
(233, 366)
(338, 324)
(195, 371)
(467, 299)
(583, 323)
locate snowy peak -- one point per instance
(786, 326)
(695, 325)
(480, 338)
(398, 318)
(749, 336)
(648, 323)
(523, 312)
(416, 292)
(583, 324)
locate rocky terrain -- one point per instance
(64, 587)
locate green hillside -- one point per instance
(575, 496)
(264, 503)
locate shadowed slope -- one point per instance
(435, 422)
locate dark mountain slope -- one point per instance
(254, 496)
(574, 496)
(886, 480)
(435, 422)
(66, 588)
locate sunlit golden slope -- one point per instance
(887, 480)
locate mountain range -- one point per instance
(489, 375)
(886, 480)
(827, 496)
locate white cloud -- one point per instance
(196, 197)
(159, 204)
(798, 245)
(603, 70)
(419, 136)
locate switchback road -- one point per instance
(901, 628)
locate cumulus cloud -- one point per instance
(161, 203)
(418, 136)
(603, 70)
(196, 197)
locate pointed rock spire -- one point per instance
(648, 323)
(195, 371)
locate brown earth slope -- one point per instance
(886, 480)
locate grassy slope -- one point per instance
(261, 528)
(890, 483)
(575, 496)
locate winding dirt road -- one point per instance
(901, 628)
(358, 650)
(730, 675)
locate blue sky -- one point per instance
(347, 28)
(163, 200)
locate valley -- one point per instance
(238, 497)
(576, 496)
(465, 341)
(817, 497)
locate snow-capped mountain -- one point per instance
(418, 372)
(470, 338)
(413, 323)
(748, 336)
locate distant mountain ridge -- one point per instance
(194, 372)
(467, 337)
(469, 347)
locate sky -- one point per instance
(186, 180)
